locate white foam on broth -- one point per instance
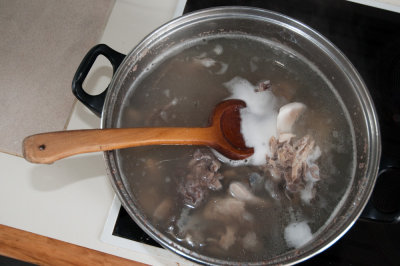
(258, 118)
(297, 234)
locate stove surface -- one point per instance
(370, 38)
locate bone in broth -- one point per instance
(248, 210)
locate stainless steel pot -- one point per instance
(261, 24)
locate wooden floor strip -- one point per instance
(41, 250)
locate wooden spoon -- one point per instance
(223, 135)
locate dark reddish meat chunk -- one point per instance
(202, 177)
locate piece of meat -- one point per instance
(250, 241)
(288, 115)
(163, 210)
(313, 171)
(189, 228)
(286, 154)
(285, 137)
(303, 147)
(202, 176)
(228, 238)
(225, 209)
(294, 162)
(193, 192)
(214, 182)
(273, 145)
(241, 192)
(263, 86)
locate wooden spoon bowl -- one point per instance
(223, 135)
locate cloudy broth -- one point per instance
(182, 89)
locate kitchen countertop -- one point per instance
(70, 199)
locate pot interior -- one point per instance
(177, 75)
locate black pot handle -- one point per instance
(94, 102)
(384, 204)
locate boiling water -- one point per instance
(181, 89)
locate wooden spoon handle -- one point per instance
(50, 147)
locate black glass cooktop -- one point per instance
(370, 38)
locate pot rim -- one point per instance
(373, 132)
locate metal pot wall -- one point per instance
(265, 25)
